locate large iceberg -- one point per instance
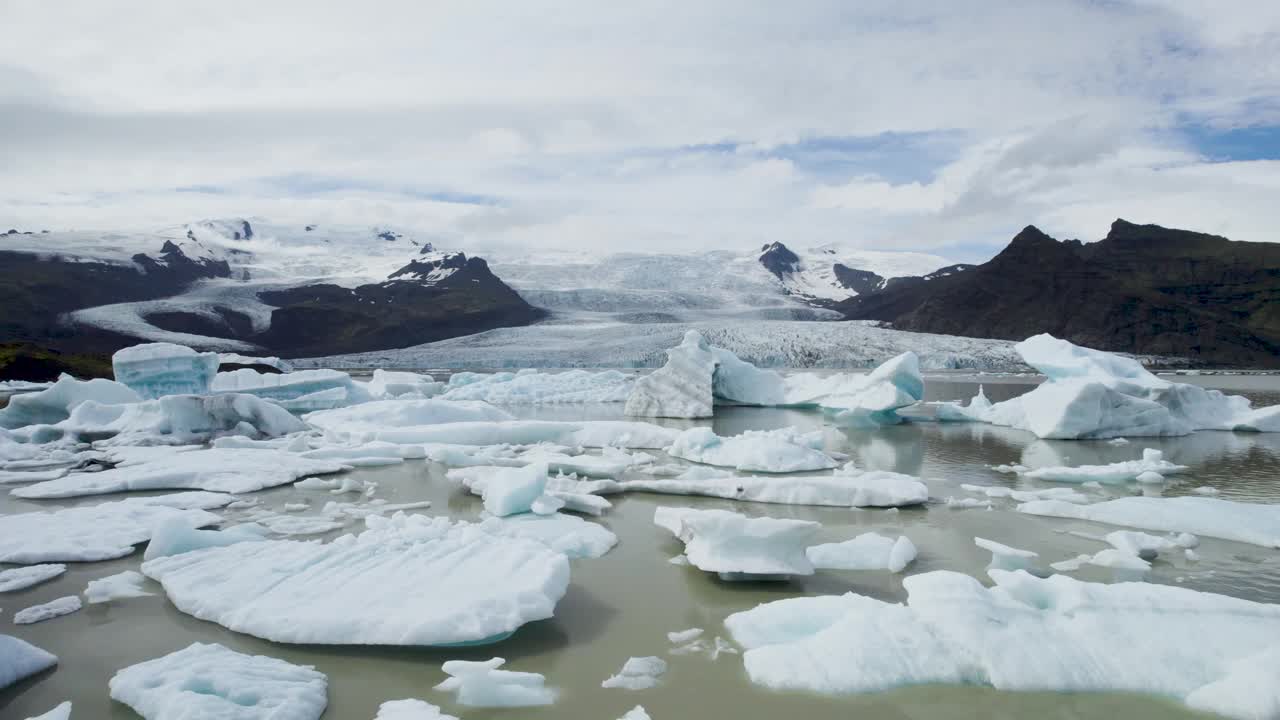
(215, 469)
(775, 451)
(99, 532)
(406, 580)
(158, 369)
(181, 419)
(682, 388)
(736, 546)
(1093, 394)
(861, 400)
(1251, 523)
(301, 391)
(212, 681)
(1025, 633)
(20, 659)
(530, 387)
(55, 403)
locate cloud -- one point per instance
(656, 125)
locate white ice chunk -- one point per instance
(869, 551)
(62, 712)
(682, 388)
(394, 383)
(868, 489)
(47, 611)
(680, 637)
(410, 710)
(862, 400)
(1251, 523)
(573, 536)
(416, 580)
(20, 659)
(211, 681)
(368, 419)
(215, 470)
(55, 403)
(181, 419)
(482, 684)
(8, 477)
(777, 451)
(1145, 546)
(1152, 462)
(636, 713)
(157, 369)
(510, 491)
(99, 532)
(999, 491)
(301, 391)
(1119, 560)
(637, 673)
(1004, 557)
(174, 537)
(229, 358)
(530, 387)
(127, 584)
(738, 546)
(24, 577)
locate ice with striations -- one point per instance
(530, 387)
(417, 580)
(301, 391)
(157, 369)
(1252, 523)
(682, 388)
(776, 451)
(181, 420)
(20, 659)
(1025, 633)
(868, 551)
(215, 469)
(1094, 394)
(739, 547)
(174, 537)
(212, 681)
(483, 684)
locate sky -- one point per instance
(667, 126)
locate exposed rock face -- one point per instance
(859, 281)
(1142, 289)
(779, 260)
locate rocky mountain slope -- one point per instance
(1142, 289)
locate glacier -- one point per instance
(156, 369)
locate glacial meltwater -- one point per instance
(623, 604)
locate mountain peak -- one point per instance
(779, 260)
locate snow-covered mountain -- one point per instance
(832, 272)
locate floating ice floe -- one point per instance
(531, 387)
(573, 536)
(1151, 464)
(482, 684)
(301, 391)
(47, 611)
(100, 532)
(20, 659)
(1093, 394)
(174, 537)
(637, 673)
(777, 451)
(636, 713)
(211, 681)
(868, 551)
(1251, 523)
(366, 421)
(417, 581)
(1025, 633)
(54, 404)
(1000, 491)
(157, 369)
(181, 420)
(127, 584)
(411, 709)
(1148, 547)
(846, 488)
(682, 388)
(509, 491)
(861, 400)
(215, 470)
(398, 383)
(21, 578)
(1004, 557)
(13, 477)
(738, 547)
(61, 712)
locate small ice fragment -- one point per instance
(680, 559)
(1004, 557)
(127, 584)
(680, 637)
(62, 712)
(638, 673)
(47, 611)
(482, 684)
(636, 713)
(722, 646)
(25, 577)
(410, 710)
(1205, 490)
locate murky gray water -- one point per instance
(623, 604)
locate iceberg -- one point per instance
(410, 710)
(775, 451)
(181, 420)
(1025, 633)
(575, 537)
(530, 387)
(21, 578)
(1147, 547)
(637, 673)
(127, 584)
(680, 389)
(1091, 394)
(47, 611)
(99, 532)
(482, 684)
(869, 551)
(215, 470)
(509, 491)
(20, 659)
(416, 580)
(301, 391)
(174, 537)
(156, 369)
(211, 681)
(862, 400)
(363, 422)
(1004, 557)
(869, 489)
(739, 547)
(396, 383)
(1250, 523)
(55, 403)
(1152, 462)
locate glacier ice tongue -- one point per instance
(212, 681)
(417, 581)
(868, 551)
(1025, 633)
(55, 403)
(156, 369)
(775, 451)
(680, 389)
(214, 469)
(736, 546)
(20, 659)
(99, 532)
(482, 684)
(1252, 523)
